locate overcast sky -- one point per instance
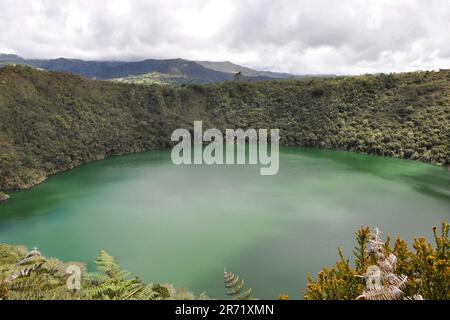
(297, 36)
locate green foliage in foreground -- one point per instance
(427, 268)
(422, 273)
(26, 276)
(51, 122)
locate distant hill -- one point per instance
(230, 67)
(9, 58)
(171, 71)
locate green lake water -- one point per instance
(184, 224)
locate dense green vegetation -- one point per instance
(424, 272)
(53, 121)
(427, 268)
(30, 276)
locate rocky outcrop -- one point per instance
(3, 197)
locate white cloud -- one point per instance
(299, 36)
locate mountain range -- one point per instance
(170, 71)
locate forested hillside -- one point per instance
(53, 121)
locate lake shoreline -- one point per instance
(44, 178)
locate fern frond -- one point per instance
(235, 286)
(237, 289)
(232, 283)
(414, 297)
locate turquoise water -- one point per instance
(184, 224)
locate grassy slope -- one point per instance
(51, 122)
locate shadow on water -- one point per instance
(432, 192)
(430, 180)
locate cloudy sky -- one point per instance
(297, 36)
